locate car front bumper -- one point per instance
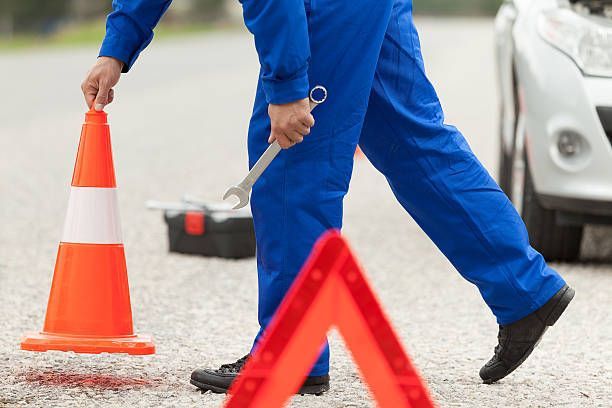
(557, 99)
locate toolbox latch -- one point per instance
(194, 223)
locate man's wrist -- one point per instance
(281, 92)
(120, 64)
(120, 49)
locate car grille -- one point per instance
(605, 115)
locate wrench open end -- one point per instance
(240, 194)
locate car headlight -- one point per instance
(587, 43)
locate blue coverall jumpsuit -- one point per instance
(367, 54)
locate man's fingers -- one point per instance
(295, 136)
(102, 99)
(89, 92)
(302, 129)
(273, 135)
(90, 97)
(289, 135)
(284, 141)
(99, 81)
(290, 122)
(308, 120)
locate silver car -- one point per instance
(555, 74)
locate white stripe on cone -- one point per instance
(93, 216)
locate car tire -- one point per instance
(555, 242)
(505, 171)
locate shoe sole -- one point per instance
(555, 314)
(207, 387)
(318, 389)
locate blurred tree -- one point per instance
(86, 9)
(32, 15)
(198, 10)
(206, 6)
(457, 7)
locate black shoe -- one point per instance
(220, 380)
(517, 340)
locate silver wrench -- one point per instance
(317, 96)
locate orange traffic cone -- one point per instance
(358, 153)
(89, 307)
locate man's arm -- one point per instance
(280, 28)
(281, 38)
(129, 29)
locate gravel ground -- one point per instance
(184, 132)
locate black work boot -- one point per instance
(220, 380)
(517, 340)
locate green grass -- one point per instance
(90, 33)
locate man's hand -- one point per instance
(98, 84)
(290, 122)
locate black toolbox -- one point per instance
(195, 232)
(212, 230)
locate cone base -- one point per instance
(134, 345)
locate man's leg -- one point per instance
(300, 195)
(439, 181)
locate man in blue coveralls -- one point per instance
(367, 54)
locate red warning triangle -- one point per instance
(331, 290)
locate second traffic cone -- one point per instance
(89, 307)
(358, 153)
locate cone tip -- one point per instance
(94, 116)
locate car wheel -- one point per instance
(555, 242)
